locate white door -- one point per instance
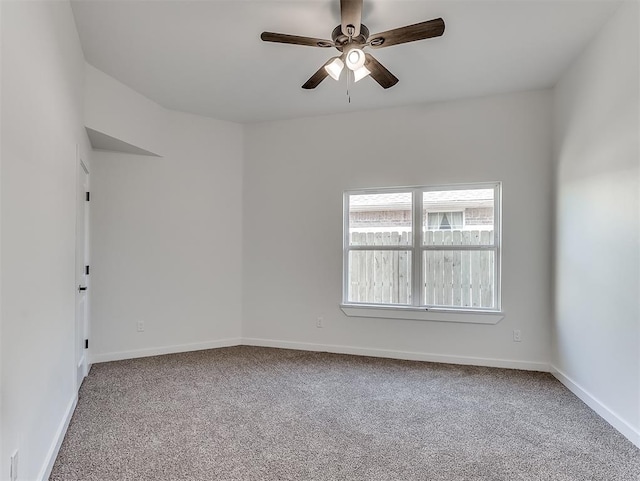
(82, 273)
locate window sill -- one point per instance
(416, 314)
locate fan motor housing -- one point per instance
(341, 39)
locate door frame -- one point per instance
(81, 333)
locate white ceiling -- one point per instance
(206, 56)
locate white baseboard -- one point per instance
(52, 454)
(338, 349)
(628, 431)
(404, 355)
(157, 351)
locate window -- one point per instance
(426, 248)
(445, 220)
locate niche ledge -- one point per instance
(104, 142)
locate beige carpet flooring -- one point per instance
(246, 413)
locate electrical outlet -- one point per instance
(320, 322)
(140, 326)
(517, 335)
(14, 466)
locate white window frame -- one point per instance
(418, 310)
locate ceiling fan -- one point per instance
(350, 38)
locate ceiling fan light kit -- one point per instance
(355, 59)
(350, 38)
(334, 69)
(361, 73)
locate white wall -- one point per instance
(167, 242)
(597, 326)
(114, 109)
(296, 171)
(42, 74)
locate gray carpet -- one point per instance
(247, 413)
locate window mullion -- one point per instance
(379, 248)
(416, 278)
(462, 248)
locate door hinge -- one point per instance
(88, 196)
(86, 343)
(86, 270)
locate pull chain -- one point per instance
(350, 32)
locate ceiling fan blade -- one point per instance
(379, 73)
(317, 77)
(410, 33)
(296, 40)
(351, 14)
